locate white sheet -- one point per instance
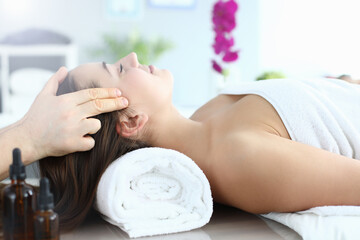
(322, 223)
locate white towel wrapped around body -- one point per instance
(324, 113)
(153, 191)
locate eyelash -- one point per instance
(121, 68)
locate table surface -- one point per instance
(226, 223)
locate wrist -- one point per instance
(26, 142)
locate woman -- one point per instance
(238, 140)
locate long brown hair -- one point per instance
(74, 177)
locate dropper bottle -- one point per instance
(18, 203)
(46, 221)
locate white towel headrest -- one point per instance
(154, 191)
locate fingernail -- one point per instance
(118, 93)
(125, 101)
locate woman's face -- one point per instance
(146, 87)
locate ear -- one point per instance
(131, 125)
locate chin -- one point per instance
(168, 73)
(170, 77)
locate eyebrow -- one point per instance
(105, 67)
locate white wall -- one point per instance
(190, 30)
(310, 37)
(300, 38)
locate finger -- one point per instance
(52, 85)
(99, 106)
(86, 143)
(90, 126)
(89, 94)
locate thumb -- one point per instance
(52, 85)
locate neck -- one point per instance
(174, 131)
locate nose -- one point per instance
(133, 60)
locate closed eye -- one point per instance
(121, 68)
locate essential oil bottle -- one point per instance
(18, 203)
(46, 221)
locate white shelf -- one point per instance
(70, 52)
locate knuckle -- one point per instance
(110, 92)
(93, 93)
(116, 103)
(67, 116)
(98, 105)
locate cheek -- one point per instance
(136, 87)
(137, 82)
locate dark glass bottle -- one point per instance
(18, 203)
(46, 221)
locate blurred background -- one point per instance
(280, 38)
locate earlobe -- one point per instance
(132, 125)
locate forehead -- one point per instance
(89, 75)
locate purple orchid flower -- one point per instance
(216, 66)
(230, 56)
(224, 21)
(222, 43)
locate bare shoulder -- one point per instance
(254, 145)
(261, 172)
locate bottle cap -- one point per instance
(46, 198)
(17, 168)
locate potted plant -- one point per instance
(115, 47)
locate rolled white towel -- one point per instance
(153, 191)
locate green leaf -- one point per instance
(270, 75)
(115, 48)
